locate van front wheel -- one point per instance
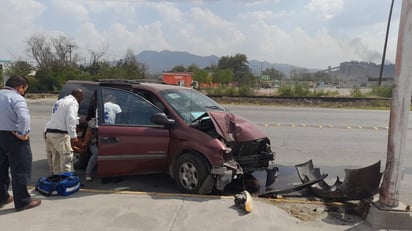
(190, 173)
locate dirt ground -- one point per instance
(315, 210)
(40, 95)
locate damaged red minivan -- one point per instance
(170, 129)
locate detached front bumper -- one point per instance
(224, 175)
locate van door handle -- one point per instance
(110, 140)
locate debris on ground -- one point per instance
(329, 212)
(358, 184)
(244, 200)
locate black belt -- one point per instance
(49, 130)
(3, 131)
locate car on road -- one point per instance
(170, 129)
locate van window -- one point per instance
(126, 108)
(88, 93)
(152, 99)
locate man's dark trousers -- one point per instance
(17, 155)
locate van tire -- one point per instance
(190, 172)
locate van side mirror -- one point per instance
(161, 119)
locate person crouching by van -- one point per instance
(90, 141)
(61, 132)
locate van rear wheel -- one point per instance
(190, 173)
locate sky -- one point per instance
(304, 33)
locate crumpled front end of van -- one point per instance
(248, 149)
(249, 146)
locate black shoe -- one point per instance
(33, 203)
(8, 201)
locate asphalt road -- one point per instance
(334, 139)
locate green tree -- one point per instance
(19, 67)
(212, 68)
(129, 68)
(98, 70)
(52, 80)
(239, 66)
(274, 74)
(48, 81)
(193, 68)
(201, 76)
(1, 75)
(178, 68)
(224, 76)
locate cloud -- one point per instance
(299, 48)
(207, 19)
(211, 32)
(258, 15)
(17, 20)
(14, 12)
(147, 37)
(168, 12)
(251, 3)
(71, 9)
(327, 8)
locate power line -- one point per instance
(386, 42)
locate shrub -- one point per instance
(285, 90)
(321, 92)
(356, 92)
(218, 91)
(294, 90)
(230, 91)
(245, 91)
(382, 91)
(300, 90)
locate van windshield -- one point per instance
(190, 104)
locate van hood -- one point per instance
(234, 128)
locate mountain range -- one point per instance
(160, 61)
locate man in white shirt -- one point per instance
(110, 110)
(61, 132)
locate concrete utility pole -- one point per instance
(401, 100)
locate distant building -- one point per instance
(178, 78)
(361, 74)
(4, 64)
